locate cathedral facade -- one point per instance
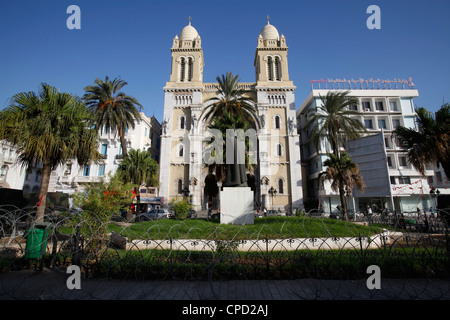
(183, 171)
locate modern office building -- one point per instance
(391, 180)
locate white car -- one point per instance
(154, 214)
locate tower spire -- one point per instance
(268, 18)
(189, 19)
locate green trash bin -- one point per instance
(37, 240)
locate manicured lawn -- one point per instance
(270, 227)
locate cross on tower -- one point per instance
(189, 19)
(267, 19)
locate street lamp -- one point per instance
(185, 192)
(272, 192)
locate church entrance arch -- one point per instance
(211, 191)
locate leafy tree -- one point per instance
(113, 109)
(139, 168)
(334, 122)
(49, 128)
(180, 207)
(430, 143)
(344, 175)
(97, 204)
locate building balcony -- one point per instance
(66, 179)
(87, 179)
(8, 159)
(215, 86)
(118, 159)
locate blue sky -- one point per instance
(132, 40)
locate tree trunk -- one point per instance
(46, 171)
(343, 202)
(138, 201)
(123, 142)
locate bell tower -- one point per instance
(187, 58)
(181, 140)
(271, 65)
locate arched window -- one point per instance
(180, 186)
(280, 186)
(269, 69)
(27, 174)
(277, 69)
(182, 123)
(26, 189)
(35, 189)
(182, 68)
(279, 151)
(38, 175)
(181, 151)
(277, 122)
(3, 172)
(190, 66)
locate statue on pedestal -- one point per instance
(236, 175)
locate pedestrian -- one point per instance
(402, 222)
(265, 212)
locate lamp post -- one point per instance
(185, 192)
(272, 192)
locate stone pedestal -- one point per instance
(236, 205)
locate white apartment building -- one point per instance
(383, 105)
(13, 175)
(72, 177)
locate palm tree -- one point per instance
(49, 128)
(334, 122)
(139, 168)
(344, 174)
(231, 109)
(430, 143)
(231, 100)
(113, 109)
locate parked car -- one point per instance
(154, 214)
(192, 214)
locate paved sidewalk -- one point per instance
(49, 285)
